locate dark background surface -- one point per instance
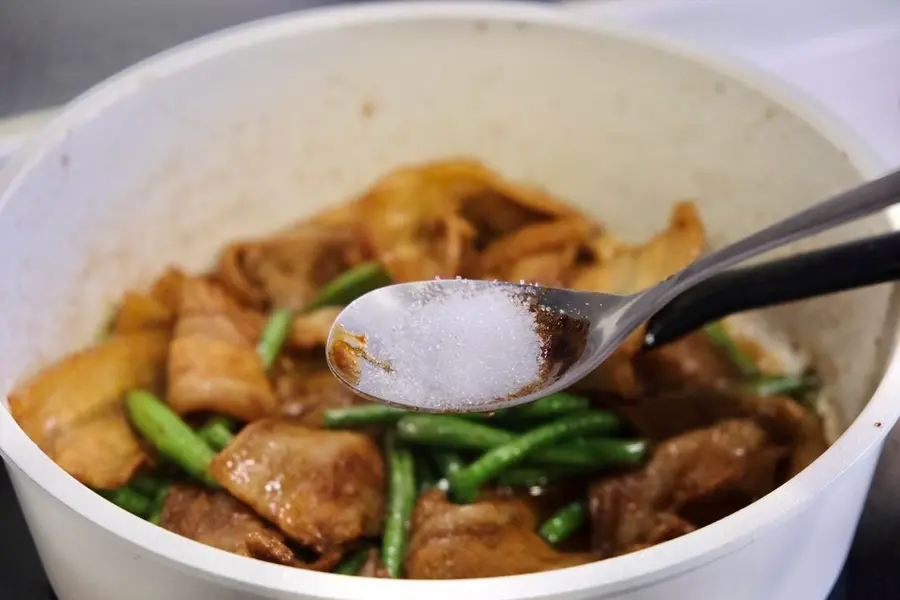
(51, 50)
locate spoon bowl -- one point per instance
(608, 319)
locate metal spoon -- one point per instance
(612, 318)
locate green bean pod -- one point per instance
(128, 499)
(171, 436)
(455, 432)
(465, 483)
(146, 485)
(795, 386)
(741, 359)
(549, 407)
(217, 432)
(353, 562)
(566, 521)
(362, 415)
(400, 503)
(274, 332)
(350, 285)
(156, 507)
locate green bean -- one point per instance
(128, 499)
(343, 289)
(146, 485)
(274, 332)
(156, 507)
(564, 523)
(448, 463)
(555, 405)
(362, 415)
(350, 285)
(353, 563)
(377, 414)
(450, 431)
(455, 432)
(169, 434)
(217, 432)
(425, 476)
(465, 483)
(795, 386)
(401, 500)
(588, 456)
(744, 362)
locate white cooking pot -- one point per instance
(244, 131)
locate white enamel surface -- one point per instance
(242, 132)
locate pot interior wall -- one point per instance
(247, 140)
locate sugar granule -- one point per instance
(467, 347)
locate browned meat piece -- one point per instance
(156, 309)
(692, 362)
(670, 414)
(216, 519)
(791, 424)
(321, 488)
(733, 461)
(306, 394)
(213, 364)
(73, 410)
(287, 270)
(490, 538)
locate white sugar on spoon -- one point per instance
(459, 348)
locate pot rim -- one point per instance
(612, 575)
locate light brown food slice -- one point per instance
(155, 309)
(732, 462)
(489, 538)
(321, 488)
(426, 221)
(286, 270)
(216, 519)
(213, 363)
(73, 409)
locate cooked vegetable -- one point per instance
(147, 485)
(350, 285)
(740, 358)
(169, 434)
(154, 514)
(455, 432)
(465, 483)
(795, 386)
(273, 335)
(217, 432)
(551, 406)
(353, 563)
(128, 499)
(362, 416)
(401, 499)
(564, 522)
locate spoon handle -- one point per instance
(847, 266)
(848, 206)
